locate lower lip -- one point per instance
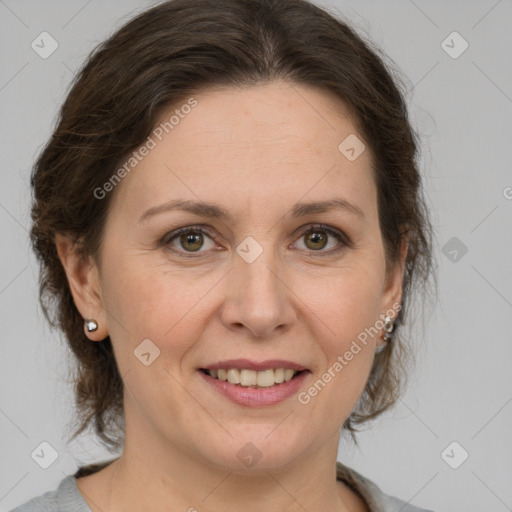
(255, 397)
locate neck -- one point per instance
(158, 477)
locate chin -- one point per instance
(255, 448)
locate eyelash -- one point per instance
(339, 236)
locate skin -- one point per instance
(255, 151)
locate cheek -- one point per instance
(348, 313)
(151, 302)
(345, 302)
(346, 309)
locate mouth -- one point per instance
(251, 388)
(251, 383)
(248, 378)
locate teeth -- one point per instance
(247, 377)
(279, 375)
(263, 379)
(233, 376)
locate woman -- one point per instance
(229, 222)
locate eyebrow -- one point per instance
(214, 211)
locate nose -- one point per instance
(258, 299)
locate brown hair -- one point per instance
(154, 61)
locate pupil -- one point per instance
(315, 238)
(190, 238)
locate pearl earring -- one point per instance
(389, 324)
(91, 325)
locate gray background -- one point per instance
(461, 389)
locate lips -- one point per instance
(247, 364)
(255, 383)
(255, 396)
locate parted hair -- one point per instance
(153, 62)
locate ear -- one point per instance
(84, 283)
(392, 290)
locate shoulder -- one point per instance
(375, 498)
(66, 498)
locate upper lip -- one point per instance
(247, 364)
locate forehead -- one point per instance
(252, 145)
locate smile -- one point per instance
(253, 378)
(251, 388)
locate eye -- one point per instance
(190, 239)
(316, 238)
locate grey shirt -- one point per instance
(67, 497)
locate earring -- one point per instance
(389, 325)
(91, 325)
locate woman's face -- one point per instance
(260, 283)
